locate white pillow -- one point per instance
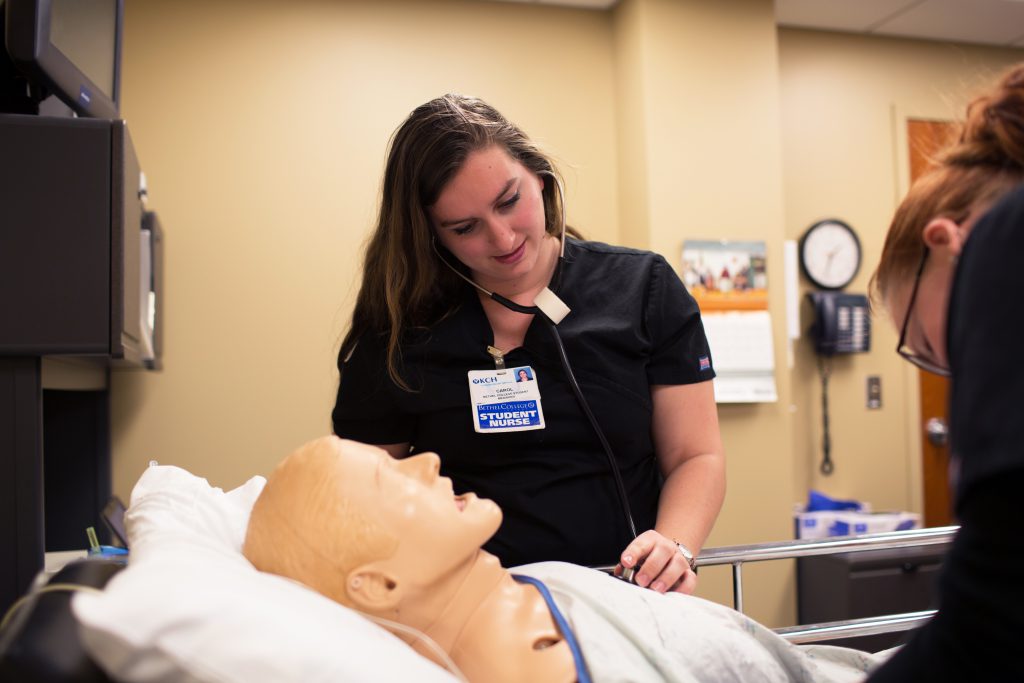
(169, 501)
(190, 607)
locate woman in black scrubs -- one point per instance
(949, 276)
(470, 202)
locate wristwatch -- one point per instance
(687, 555)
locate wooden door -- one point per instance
(925, 138)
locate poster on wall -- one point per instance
(729, 280)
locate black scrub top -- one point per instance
(978, 630)
(632, 325)
(985, 339)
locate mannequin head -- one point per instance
(365, 529)
(389, 538)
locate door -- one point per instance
(925, 138)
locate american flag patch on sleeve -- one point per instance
(705, 363)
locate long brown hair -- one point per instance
(405, 285)
(985, 161)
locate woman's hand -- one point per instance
(663, 567)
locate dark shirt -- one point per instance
(980, 624)
(632, 325)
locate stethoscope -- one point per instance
(552, 311)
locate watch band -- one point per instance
(690, 558)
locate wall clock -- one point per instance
(830, 254)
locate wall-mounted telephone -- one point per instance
(842, 323)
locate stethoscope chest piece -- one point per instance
(553, 307)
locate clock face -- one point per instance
(830, 254)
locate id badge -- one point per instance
(505, 400)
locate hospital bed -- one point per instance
(739, 555)
(188, 566)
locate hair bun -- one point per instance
(993, 133)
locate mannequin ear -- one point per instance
(944, 236)
(372, 590)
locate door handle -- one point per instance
(937, 431)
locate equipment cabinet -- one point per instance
(870, 583)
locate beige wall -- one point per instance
(630, 25)
(711, 158)
(845, 100)
(262, 128)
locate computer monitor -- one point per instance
(70, 47)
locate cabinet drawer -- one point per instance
(868, 584)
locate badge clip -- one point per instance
(498, 356)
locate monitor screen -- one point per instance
(86, 32)
(72, 48)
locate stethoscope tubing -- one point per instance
(613, 465)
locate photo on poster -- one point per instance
(726, 275)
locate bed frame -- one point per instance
(738, 555)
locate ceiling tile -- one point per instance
(580, 4)
(838, 15)
(996, 22)
(992, 22)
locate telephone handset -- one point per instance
(842, 323)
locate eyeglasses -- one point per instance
(903, 348)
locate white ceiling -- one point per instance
(989, 22)
(583, 4)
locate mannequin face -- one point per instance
(362, 527)
(436, 531)
(417, 504)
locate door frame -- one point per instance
(901, 115)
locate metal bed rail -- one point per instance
(868, 626)
(738, 555)
(785, 550)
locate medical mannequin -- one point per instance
(388, 538)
